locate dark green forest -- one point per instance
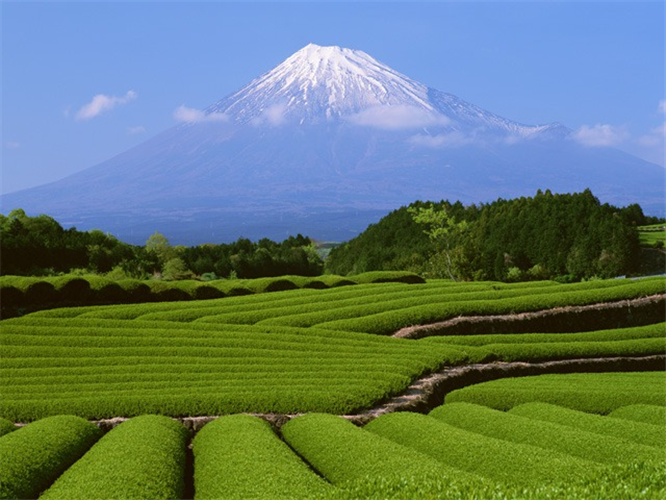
(39, 246)
(549, 236)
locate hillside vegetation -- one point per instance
(549, 236)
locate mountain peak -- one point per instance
(320, 83)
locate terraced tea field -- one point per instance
(329, 352)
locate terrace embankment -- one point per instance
(429, 392)
(620, 314)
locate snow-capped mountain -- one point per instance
(323, 84)
(324, 143)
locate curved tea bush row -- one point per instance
(69, 360)
(385, 323)
(637, 332)
(6, 427)
(488, 457)
(649, 414)
(379, 308)
(250, 309)
(240, 456)
(342, 452)
(546, 435)
(142, 458)
(102, 372)
(638, 432)
(242, 302)
(33, 293)
(589, 392)
(322, 311)
(537, 347)
(631, 481)
(32, 457)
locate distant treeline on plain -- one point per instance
(549, 236)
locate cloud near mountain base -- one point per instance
(397, 117)
(192, 115)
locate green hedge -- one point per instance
(637, 332)
(104, 368)
(385, 323)
(32, 457)
(546, 435)
(26, 293)
(638, 432)
(240, 456)
(633, 481)
(6, 427)
(342, 452)
(649, 414)
(590, 392)
(142, 458)
(489, 457)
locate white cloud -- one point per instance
(273, 115)
(101, 103)
(139, 129)
(192, 115)
(656, 136)
(600, 135)
(397, 117)
(449, 140)
(652, 146)
(662, 106)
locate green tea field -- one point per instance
(369, 390)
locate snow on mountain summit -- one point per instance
(320, 84)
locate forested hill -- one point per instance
(563, 236)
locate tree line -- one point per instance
(40, 246)
(549, 236)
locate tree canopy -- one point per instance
(564, 236)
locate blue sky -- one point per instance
(84, 81)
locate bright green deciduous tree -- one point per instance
(443, 230)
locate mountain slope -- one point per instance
(323, 144)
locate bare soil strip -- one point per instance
(607, 315)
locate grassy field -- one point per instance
(327, 352)
(651, 236)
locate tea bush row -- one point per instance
(657, 330)
(142, 458)
(32, 457)
(637, 432)
(343, 453)
(329, 298)
(489, 457)
(364, 304)
(552, 437)
(598, 393)
(635, 480)
(239, 456)
(388, 322)
(33, 293)
(643, 413)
